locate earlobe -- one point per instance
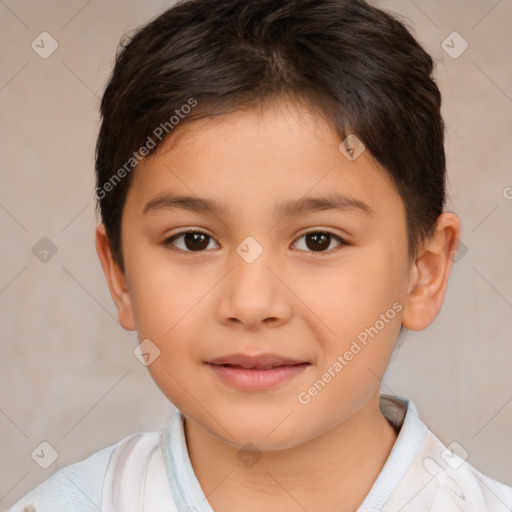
(115, 279)
(430, 272)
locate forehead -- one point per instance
(255, 159)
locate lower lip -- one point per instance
(246, 378)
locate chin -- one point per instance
(265, 433)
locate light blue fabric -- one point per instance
(188, 494)
(406, 448)
(185, 487)
(79, 487)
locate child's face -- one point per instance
(303, 298)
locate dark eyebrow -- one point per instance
(195, 204)
(291, 207)
(332, 201)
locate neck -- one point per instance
(333, 471)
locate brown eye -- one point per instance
(190, 241)
(319, 241)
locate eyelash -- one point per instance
(342, 242)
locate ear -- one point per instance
(430, 272)
(115, 279)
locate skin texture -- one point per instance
(292, 301)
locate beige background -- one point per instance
(68, 375)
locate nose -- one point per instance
(254, 295)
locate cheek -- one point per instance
(163, 295)
(169, 311)
(361, 305)
(170, 306)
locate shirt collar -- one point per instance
(400, 412)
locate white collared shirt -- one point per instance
(151, 471)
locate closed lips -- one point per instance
(262, 362)
(256, 372)
(259, 367)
